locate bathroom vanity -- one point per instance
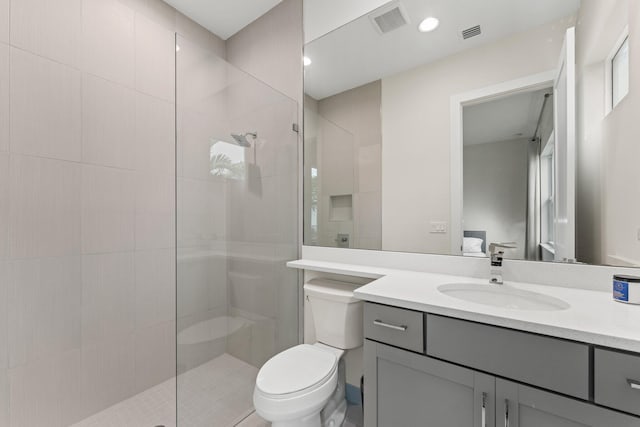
(426, 369)
(408, 161)
(443, 350)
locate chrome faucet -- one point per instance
(496, 252)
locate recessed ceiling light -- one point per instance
(306, 61)
(428, 24)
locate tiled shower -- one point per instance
(107, 196)
(237, 302)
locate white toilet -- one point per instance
(304, 386)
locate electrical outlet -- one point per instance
(438, 227)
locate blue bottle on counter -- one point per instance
(626, 289)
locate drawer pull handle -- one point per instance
(390, 326)
(634, 384)
(506, 413)
(484, 410)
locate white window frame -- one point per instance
(608, 71)
(548, 197)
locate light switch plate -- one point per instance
(438, 227)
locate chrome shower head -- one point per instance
(242, 140)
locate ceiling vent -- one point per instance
(389, 18)
(471, 32)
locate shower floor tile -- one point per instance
(152, 407)
(217, 393)
(253, 420)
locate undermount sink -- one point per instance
(503, 296)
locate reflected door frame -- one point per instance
(458, 102)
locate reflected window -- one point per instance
(620, 73)
(227, 160)
(314, 204)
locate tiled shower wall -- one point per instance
(202, 78)
(87, 203)
(263, 230)
(234, 237)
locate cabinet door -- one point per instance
(404, 389)
(521, 406)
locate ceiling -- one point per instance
(512, 117)
(323, 16)
(223, 18)
(356, 53)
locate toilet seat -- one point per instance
(296, 384)
(297, 371)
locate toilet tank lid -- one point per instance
(332, 290)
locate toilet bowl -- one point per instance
(293, 386)
(304, 386)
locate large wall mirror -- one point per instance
(493, 121)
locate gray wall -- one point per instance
(495, 192)
(270, 48)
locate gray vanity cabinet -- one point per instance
(518, 405)
(404, 389)
(424, 370)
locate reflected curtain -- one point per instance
(532, 240)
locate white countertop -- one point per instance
(593, 317)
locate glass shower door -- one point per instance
(237, 225)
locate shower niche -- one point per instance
(341, 208)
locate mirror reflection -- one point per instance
(444, 126)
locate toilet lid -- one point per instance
(295, 369)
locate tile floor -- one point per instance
(354, 419)
(152, 407)
(253, 420)
(217, 393)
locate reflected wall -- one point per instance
(419, 207)
(343, 146)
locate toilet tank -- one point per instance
(337, 315)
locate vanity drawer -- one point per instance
(617, 380)
(541, 361)
(394, 326)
